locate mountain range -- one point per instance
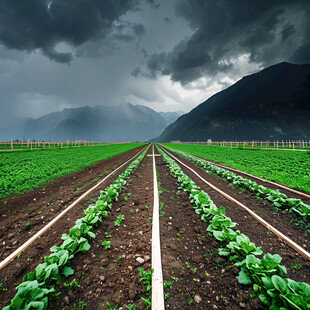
(273, 104)
(124, 122)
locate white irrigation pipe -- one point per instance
(157, 279)
(290, 242)
(250, 175)
(59, 216)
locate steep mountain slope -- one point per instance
(271, 104)
(125, 122)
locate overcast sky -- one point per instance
(166, 54)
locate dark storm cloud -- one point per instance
(267, 31)
(41, 24)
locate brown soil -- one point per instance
(26, 214)
(253, 229)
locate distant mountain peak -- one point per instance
(273, 103)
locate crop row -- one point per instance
(38, 286)
(290, 168)
(265, 274)
(280, 200)
(23, 171)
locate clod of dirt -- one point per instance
(197, 299)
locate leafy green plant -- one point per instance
(217, 264)
(107, 235)
(193, 269)
(2, 288)
(120, 218)
(81, 305)
(146, 278)
(296, 265)
(109, 307)
(106, 244)
(71, 285)
(167, 284)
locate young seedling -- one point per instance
(209, 253)
(296, 265)
(106, 244)
(167, 284)
(169, 227)
(218, 265)
(131, 307)
(190, 267)
(109, 307)
(107, 235)
(120, 218)
(2, 288)
(146, 278)
(148, 207)
(72, 285)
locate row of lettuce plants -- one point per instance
(38, 286)
(265, 274)
(280, 200)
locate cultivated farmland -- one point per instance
(220, 239)
(287, 167)
(23, 171)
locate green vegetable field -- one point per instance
(23, 171)
(287, 167)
